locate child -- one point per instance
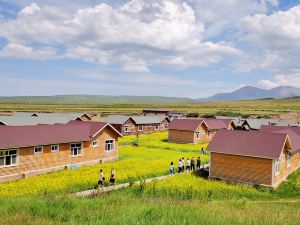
(112, 176)
(188, 164)
(182, 168)
(198, 163)
(179, 166)
(101, 178)
(192, 164)
(171, 168)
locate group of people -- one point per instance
(112, 178)
(188, 165)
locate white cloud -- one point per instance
(282, 80)
(146, 32)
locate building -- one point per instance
(170, 114)
(217, 124)
(191, 131)
(36, 149)
(255, 124)
(253, 157)
(124, 124)
(150, 124)
(24, 118)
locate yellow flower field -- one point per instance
(135, 162)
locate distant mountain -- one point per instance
(250, 93)
(94, 99)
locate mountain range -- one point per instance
(244, 93)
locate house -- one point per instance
(36, 149)
(237, 120)
(24, 118)
(170, 114)
(192, 131)
(255, 124)
(253, 157)
(124, 124)
(150, 124)
(217, 124)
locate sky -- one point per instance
(180, 48)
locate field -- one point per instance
(181, 199)
(271, 107)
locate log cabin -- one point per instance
(124, 124)
(257, 158)
(217, 124)
(189, 131)
(36, 149)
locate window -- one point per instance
(166, 126)
(38, 150)
(277, 166)
(76, 149)
(95, 144)
(289, 156)
(54, 148)
(140, 127)
(126, 128)
(157, 127)
(109, 145)
(198, 135)
(8, 158)
(208, 133)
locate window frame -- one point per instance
(277, 167)
(197, 133)
(77, 150)
(141, 127)
(57, 150)
(156, 127)
(95, 145)
(38, 153)
(289, 159)
(126, 128)
(113, 145)
(208, 133)
(17, 157)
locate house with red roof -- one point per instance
(191, 131)
(36, 149)
(255, 157)
(218, 124)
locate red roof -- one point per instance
(248, 143)
(216, 124)
(185, 124)
(27, 136)
(292, 132)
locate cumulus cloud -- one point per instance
(282, 80)
(146, 32)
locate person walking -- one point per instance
(202, 151)
(101, 178)
(179, 166)
(172, 168)
(112, 177)
(192, 164)
(198, 163)
(188, 165)
(183, 164)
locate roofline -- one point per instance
(107, 124)
(241, 155)
(1, 121)
(201, 124)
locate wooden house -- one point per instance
(191, 131)
(218, 124)
(253, 157)
(124, 124)
(150, 124)
(36, 149)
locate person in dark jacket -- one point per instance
(192, 164)
(198, 163)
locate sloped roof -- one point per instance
(185, 124)
(27, 136)
(292, 132)
(149, 119)
(257, 123)
(116, 119)
(216, 124)
(250, 143)
(20, 118)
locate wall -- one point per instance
(181, 136)
(241, 168)
(29, 163)
(132, 128)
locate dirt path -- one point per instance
(93, 192)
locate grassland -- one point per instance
(181, 199)
(270, 107)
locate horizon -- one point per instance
(182, 48)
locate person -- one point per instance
(182, 168)
(179, 166)
(192, 164)
(198, 163)
(171, 168)
(101, 178)
(202, 151)
(188, 164)
(112, 176)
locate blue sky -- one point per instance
(189, 48)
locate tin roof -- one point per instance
(149, 119)
(185, 124)
(216, 124)
(116, 119)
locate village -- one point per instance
(246, 151)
